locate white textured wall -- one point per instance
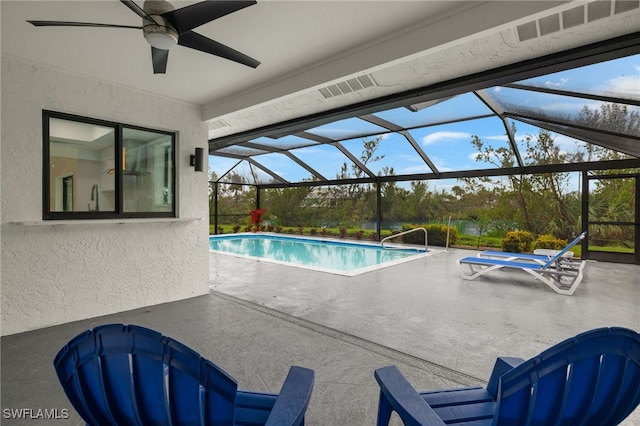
(57, 274)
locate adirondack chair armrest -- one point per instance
(293, 399)
(405, 400)
(502, 365)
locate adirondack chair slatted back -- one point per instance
(124, 374)
(564, 250)
(591, 379)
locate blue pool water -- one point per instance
(324, 255)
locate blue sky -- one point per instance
(448, 146)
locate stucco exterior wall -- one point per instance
(57, 274)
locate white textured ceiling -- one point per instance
(286, 36)
(303, 45)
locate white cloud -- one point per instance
(502, 138)
(407, 158)
(320, 152)
(444, 135)
(570, 107)
(441, 164)
(444, 168)
(473, 156)
(422, 168)
(558, 83)
(307, 150)
(567, 144)
(627, 84)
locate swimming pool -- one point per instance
(337, 257)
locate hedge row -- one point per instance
(515, 241)
(436, 235)
(522, 242)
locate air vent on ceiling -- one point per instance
(598, 10)
(218, 124)
(626, 5)
(549, 24)
(527, 31)
(347, 86)
(573, 17)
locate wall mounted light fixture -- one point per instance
(197, 160)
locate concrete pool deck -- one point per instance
(260, 318)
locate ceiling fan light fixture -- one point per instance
(161, 40)
(159, 33)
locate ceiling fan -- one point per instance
(164, 26)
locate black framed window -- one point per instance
(96, 169)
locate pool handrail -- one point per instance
(405, 233)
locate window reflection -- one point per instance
(80, 156)
(146, 166)
(98, 169)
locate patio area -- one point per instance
(260, 318)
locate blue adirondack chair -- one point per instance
(590, 379)
(119, 375)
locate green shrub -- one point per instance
(548, 241)
(436, 235)
(517, 241)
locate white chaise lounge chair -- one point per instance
(565, 254)
(562, 274)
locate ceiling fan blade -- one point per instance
(138, 10)
(199, 42)
(159, 58)
(78, 24)
(190, 17)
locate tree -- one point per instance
(611, 200)
(538, 203)
(286, 206)
(354, 201)
(610, 117)
(416, 203)
(614, 118)
(235, 198)
(550, 200)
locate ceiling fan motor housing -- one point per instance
(159, 34)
